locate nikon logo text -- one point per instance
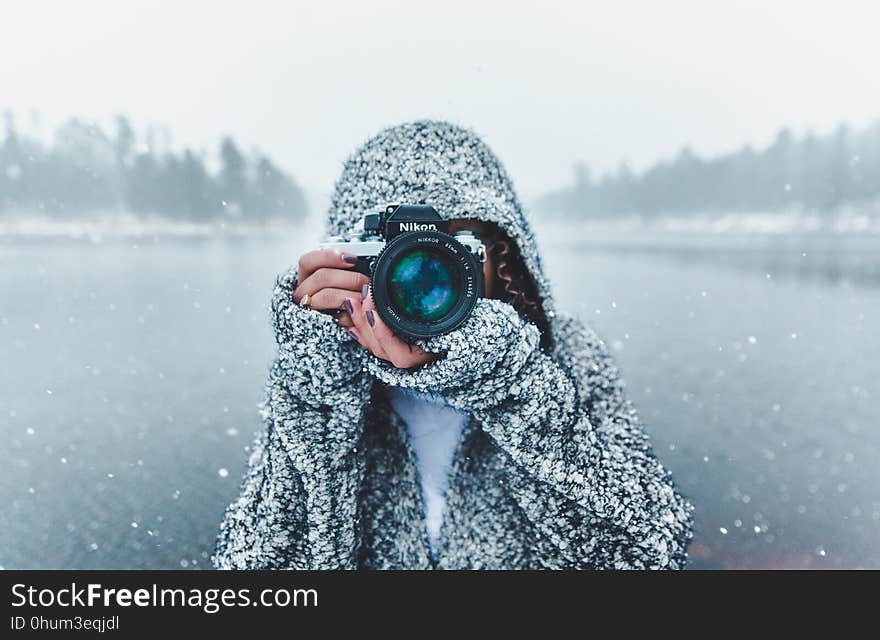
(417, 226)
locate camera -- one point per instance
(424, 280)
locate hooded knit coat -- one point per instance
(552, 471)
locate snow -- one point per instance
(744, 223)
(122, 225)
(97, 227)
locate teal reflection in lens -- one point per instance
(423, 285)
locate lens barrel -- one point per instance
(425, 284)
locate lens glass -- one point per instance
(424, 285)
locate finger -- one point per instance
(327, 277)
(342, 319)
(314, 260)
(355, 309)
(401, 354)
(330, 299)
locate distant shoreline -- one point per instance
(98, 228)
(752, 223)
(127, 226)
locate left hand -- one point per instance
(375, 336)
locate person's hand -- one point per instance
(326, 277)
(375, 336)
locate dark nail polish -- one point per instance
(371, 318)
(350, 259)
(365, 291)
(346, 306)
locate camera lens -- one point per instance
(423, 285)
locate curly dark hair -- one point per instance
(513, 283)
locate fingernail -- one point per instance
(371, 318)
(354, 335)
(346, 306)
(350, 259)
(365, 291)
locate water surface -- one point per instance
(130, 372)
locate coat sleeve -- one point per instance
(579, 464)
(298, 501)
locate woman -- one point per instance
(505, 444)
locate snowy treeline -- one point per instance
(85, 169)
(812, 174)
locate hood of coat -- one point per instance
(445, 166)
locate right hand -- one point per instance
(326, 276)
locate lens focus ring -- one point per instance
(425, 284)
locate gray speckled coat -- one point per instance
(552, 471)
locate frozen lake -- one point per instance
(130, 373)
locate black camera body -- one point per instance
(424, 281)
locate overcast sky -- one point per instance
(546, 83)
